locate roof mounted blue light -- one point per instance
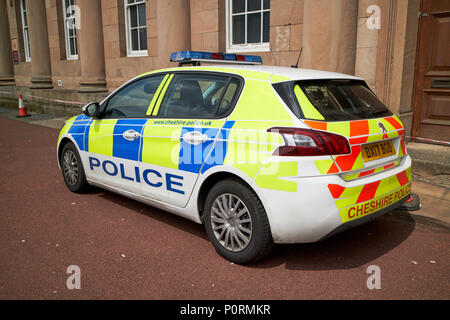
(195, 57)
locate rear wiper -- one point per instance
(374, 112)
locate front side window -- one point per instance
(248, 25)
(70, 30)
(200, 96)
(133, 100)
(136, 27)
(26, 35)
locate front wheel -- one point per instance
(236, 223)
(72, 169)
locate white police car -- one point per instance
(258, 154)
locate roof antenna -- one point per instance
(298, 59)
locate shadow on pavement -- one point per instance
(155, 213)
(350, 249)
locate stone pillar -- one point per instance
(6, 64)
(91, 49)
(41, 71)
(329, 35)
(173, 36)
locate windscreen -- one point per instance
(335, 101)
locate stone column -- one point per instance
(41, 71)
(329, 35)
(6, 64)
(91, 49)
(173, 36)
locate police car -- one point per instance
(258, 154)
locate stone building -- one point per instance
(61, 54)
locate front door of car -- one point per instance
(181, 134)
(115, 140)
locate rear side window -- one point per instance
(203, 96)
(335, 101)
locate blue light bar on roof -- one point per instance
(214, 57)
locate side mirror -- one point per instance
(92, 109)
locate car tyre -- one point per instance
(72, 169)
(230, 205)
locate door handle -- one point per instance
(195, 137)
(130, 135)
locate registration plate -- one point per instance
(378, 150)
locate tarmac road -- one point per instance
(129, 250)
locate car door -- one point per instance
(114, 140)
(181, 134)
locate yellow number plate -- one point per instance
(378, 150)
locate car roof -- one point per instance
(291, 73)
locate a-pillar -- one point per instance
(92, 56)
(329, 35)
(41, 71)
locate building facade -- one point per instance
(61, 54)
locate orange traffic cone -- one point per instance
(22, 110)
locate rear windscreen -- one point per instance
(332, 100)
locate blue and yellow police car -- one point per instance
(258, 154)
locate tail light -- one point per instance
(309, 142)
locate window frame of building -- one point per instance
(245, 47)
(68, 38)
(25, 30)
(128, 28)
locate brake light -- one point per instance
(309, 142)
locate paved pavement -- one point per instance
(129, 250)
(46, 120)
(431, 163)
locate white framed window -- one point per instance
(70, 30)
(25, 32)
(136, 28)
(248, 25)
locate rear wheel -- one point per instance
(236, 222)
(72, 169)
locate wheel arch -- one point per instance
(61, 145)
(212, 180)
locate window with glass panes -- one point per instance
(26, 34)
(70, 30)
(248, 24)
(136, 27)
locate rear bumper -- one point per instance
(360, 221)
(325, 205)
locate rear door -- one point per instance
(189, 116)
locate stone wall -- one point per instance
(367, 44)
(68, 71)
(333, 34)
(120, 68)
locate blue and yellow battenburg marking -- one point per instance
(161, 144)
(77, 130)
(125, 149)
(106, 137)
(212, 152)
